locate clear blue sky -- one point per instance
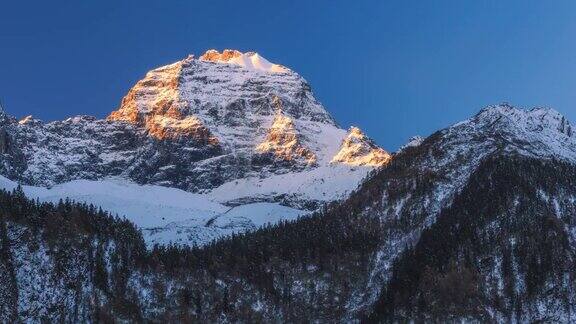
(394, 68)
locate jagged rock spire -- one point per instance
(357, 149)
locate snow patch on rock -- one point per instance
(250, 61)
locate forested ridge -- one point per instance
(499, 252)
(299, 268)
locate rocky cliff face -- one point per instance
(196, 125)
(358, 149)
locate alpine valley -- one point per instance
(240, 199)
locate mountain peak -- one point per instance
(213, 55)
(537, 132)
(535, 120)
(358, 149)
(506, 109)
(250, 60)
(223, 92)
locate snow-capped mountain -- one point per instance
(475, 223)
(424, 179)
(229, 126)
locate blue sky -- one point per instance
(393, 68)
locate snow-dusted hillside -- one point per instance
(165, 215)
(319, 185)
